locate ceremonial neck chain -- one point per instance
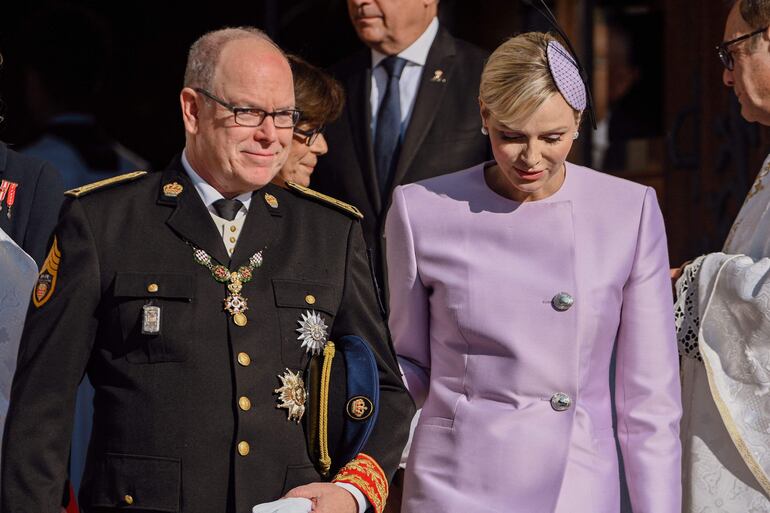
(234, 304)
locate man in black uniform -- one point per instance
(193, 299)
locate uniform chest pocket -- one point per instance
(306, 311)
(156, 315)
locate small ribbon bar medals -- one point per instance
(8, 194)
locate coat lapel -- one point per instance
(359, 88)
(261, 226)
(190, 218)
(428, 100)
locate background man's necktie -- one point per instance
(388, 130)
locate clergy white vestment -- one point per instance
(723, 322)
(17, 277)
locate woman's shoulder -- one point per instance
(445, 186)
(603, 186)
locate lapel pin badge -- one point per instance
(438, 76)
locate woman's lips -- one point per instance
(529, 175)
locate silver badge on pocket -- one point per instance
(150, 319)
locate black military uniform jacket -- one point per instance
(169, 419)
(35, 207)
(443, 134)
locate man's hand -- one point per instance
(676, 273)
(326, 497)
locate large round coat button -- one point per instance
(243, 448)
(560, 401)
(562, 302)
(244, 359)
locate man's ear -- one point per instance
(189, 101)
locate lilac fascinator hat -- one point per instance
(566, 75)
(570, 77)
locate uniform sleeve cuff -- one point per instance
(365, 474)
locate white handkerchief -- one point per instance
(290, 505)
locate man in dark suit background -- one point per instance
(412, 110)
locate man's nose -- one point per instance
(727, 77)
(266, 130)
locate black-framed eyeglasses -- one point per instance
(724, 54)
(309, 136)
(251, 117)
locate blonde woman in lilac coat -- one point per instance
(511, 283)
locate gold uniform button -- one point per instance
(232, 239)
(233, 228)
(310, 299)
(243, 448)
(244, 403)
(152, 287)
(128, 499)
(244, 359)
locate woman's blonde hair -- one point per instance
(516, 79)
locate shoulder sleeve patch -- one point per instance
(46, 280)
(101, 184)
(340, 205)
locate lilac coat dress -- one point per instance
(515, 393)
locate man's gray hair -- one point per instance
(755, 12)
(204, 53)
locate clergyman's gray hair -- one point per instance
(755, 12)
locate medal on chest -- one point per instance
(234, 303)
(8, 196)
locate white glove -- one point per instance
(290, 505)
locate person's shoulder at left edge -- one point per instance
(30, 198)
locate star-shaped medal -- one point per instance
(312, 331)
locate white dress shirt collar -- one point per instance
(417, 52)
(208, 193)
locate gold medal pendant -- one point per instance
(235, 305)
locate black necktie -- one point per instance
(388, 129)
(227, 208)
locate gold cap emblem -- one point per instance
(173, 189)
(271, 200)
(359, 408)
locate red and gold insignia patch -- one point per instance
(46, 280)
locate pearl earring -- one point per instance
(484, 130)
(576, 135)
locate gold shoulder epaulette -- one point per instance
(101, 184)
(346, 207)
